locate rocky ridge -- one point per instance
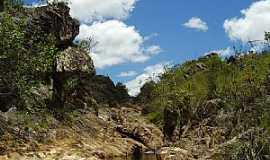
(86, 126)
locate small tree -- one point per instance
(121, 92)
(267, 36)
(146, 94)
(10, 4)
(88, 44)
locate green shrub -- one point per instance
(254, 144)
(240, 86)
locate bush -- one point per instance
(253, 144)
(209, 88)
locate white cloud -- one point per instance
(153, 50)
(88, 11)
(196, 23)
(151, 36)
(150, 73)
(223, 52)
(35, 4)
(127, 74)
(259, 46)
(251, 26)
(117, 43)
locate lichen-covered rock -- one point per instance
(132, 126)
(37, 97)
(86, 88)
(53, 19)
(75, 60)
(148, 135)
(102, 89)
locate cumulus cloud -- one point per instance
(127, 74)
(150, 73)
(254, 22)
(117, 43)
(88, 11)
(197, 24)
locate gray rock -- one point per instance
(75, 60)
(53, 19)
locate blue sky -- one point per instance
(162, 24)
(177, 42)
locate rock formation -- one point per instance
(74, 60)
(67, 93)
(53, 19)
(132, 127)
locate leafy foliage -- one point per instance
(146, 93)
(12, 4)
(253, 144)
(267, 36)
(28, 63)
(212, 89)
(121, 93)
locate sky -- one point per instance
(136, 39)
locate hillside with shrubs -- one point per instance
(53, 105)
(221, 104)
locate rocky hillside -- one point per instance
(67, 74)
(115, 134)
(52, 103)
(213, 107)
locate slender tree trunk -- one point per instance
(58, 89)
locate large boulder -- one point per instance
(75, 60)
(131, 125)
(146, 134)
(53, 19)
(73, 67)
(101, 88)
(78, 85)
